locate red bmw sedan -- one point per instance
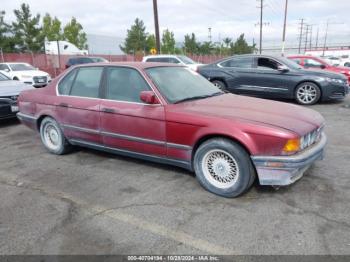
(170, 114)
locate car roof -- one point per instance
(248, 55)
(138, 65)
(155, 56)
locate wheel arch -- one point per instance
(222, 79)
(307, 81)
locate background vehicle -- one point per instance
(172, 115)
(78, 60)
(65, 47)
(312, 62)
(25, 73)
(9, 91)
(274, 77)
(173, 59)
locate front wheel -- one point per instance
(347, 64)
(219, 84)
(52, 137)
(223, 167)
(307, 93)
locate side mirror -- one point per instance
(149, 97)
(282, 68)
(322, 66)
(7, 70)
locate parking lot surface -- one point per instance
(88, 202)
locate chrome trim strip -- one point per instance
(22, 116)
(133, 138)
(179, 146)
(126, 137)
(265, 87)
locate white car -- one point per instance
(25, 73)
(173, 59)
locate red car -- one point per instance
(312, 62)
(170, 114)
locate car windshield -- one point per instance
(186, 60)
(179, 84)
(99, 59)
(21, 67)
(3, 77)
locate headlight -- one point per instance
(334, 80)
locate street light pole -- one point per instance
(284, 27)
(156, 24)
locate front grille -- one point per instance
(311, 138)
(40, 79)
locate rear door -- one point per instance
(126, 122)
(238, 72)
(78, 104)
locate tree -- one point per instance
(6, 41)
(135, 40)
(205, 48)
(227, 41)
(26, 29)
(52, 28)
(73, 33)
(150, 42)
(241, 46)
(190, 44)
(168, 42)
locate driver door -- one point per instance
(126, 122)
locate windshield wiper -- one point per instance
(198, 97)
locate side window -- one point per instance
(173, 60)
(267, 63)
(4, 67)
(312, 63)
(296, 60)
(87, 82)
(66, 83)
(240, 62)
(152, 60)
(125, 84)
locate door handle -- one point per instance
(108, 110)
(63, 105)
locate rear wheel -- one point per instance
(52, 137)
(223, 167)
(307, 93)
(15, 78)
(219, 84)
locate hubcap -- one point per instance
(220, 168)
(51, 136)
(307, 94)
(218, 85)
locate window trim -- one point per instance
(221, 66)
(103, 83)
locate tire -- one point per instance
(218, 155)
(307, 93)
(347, 64)
(219, 84)
(16, 78)
(52, 137)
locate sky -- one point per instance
(227, 18)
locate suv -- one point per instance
(84, 60)
(25, 73)
(312, 62)
(173, 59)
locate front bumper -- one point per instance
(285, 170)
(8, 108)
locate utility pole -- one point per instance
(284, 27)
(156, 24)
(310, 38)
(261, 24)
(306, 37)
(301, 34)
(209, 34)
(325, 38)
(317, 38)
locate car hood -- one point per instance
(12, 87)
(31, 73)
(294, 118)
